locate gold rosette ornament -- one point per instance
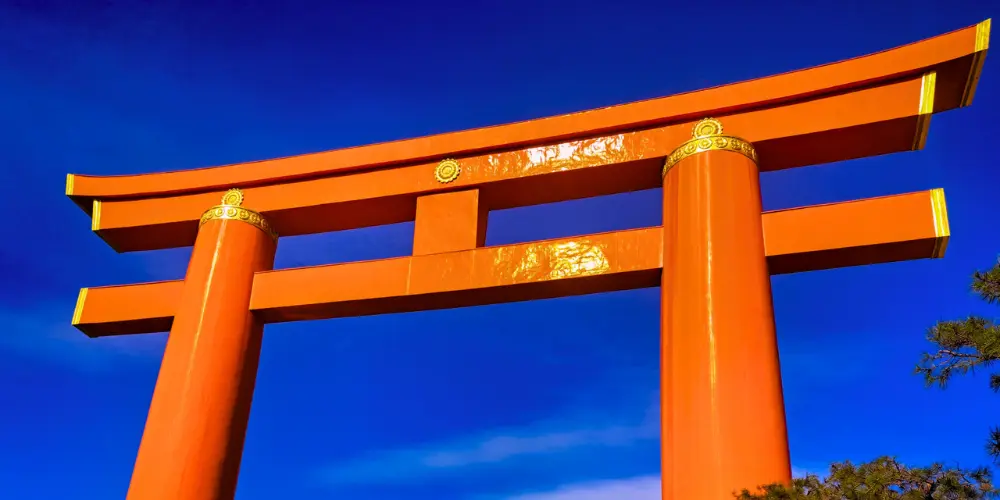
(707, 136)
(232, 209)
(447, 171)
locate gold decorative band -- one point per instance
(231, 209)
(707, 136)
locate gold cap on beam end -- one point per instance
(978, 57)
(95, 216)
(928, 85)
(942, 230)
(78, 310)
(983, 35)
(707, 136)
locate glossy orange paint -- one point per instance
(127, 309)
(537, 270)
(723, 419)
(448, 222)
(875, 230)
(821, 130)
(193, 440)
(953, 55)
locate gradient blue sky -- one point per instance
(547, 400)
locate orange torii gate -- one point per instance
(712, 256)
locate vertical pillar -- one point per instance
(723, 418)
(193, 440)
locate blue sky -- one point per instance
(549, 400)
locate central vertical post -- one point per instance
(193, 440)
(723, 418)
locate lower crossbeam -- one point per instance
(876, 230)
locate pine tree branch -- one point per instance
(993, 445)
(987, 284)
(963, 346)
(883, 478)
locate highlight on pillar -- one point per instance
(872, 105)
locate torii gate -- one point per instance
(712, 257)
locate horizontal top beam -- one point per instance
(884, 119)
(956, 57)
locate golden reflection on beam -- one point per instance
(571, 155)
(550, 261)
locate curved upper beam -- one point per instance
(879, 120)
(956, 57)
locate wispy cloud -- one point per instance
(551, 440)
(435, 459)
(45, 334)
(503, 447)
(634, 488)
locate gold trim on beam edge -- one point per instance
(69, 184)
(925, 109)
(95, 216)
(942, 230)
(978, 57)
(78, 310)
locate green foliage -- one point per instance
(965, 345)
(993, 444)
(962, 347)
(884, 479)
(987, 284)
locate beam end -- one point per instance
(983, 35)
(925, 109)
(978, 57)
(942, 230)
(95, 221)
(78, 310)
